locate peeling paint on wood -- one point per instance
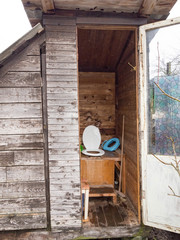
(22, 221)
(13, 142)
(21, 79)
(9, 95)
(22, 180)
(22, 189)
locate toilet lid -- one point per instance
(91, 138)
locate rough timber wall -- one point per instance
(127, 105)
(22, 178)
(63, 129)
(97, 102)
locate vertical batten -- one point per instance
(63, 126)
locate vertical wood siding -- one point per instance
(63, 129)
(22, 181)
(126, 98)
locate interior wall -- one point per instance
(97, 102)
(126, 105)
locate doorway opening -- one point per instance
(107, 60)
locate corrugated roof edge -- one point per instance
(26, 37)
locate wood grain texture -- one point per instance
(22, 189)
(103, 49)
(31, 63)
(25, 173)
(21, 205)
(97, 102)
(127, 106)
(22, 180)
(97, 172)
(20, 126)
(21, 79)
(22, 221)
(21, 141)
(63, 129)
(9, 95)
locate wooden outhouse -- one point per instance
(86, 65)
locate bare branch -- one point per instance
(176, 99)
(169, 164)
(173, 193)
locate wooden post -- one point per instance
(122, 147)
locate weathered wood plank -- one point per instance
(61, 78)
(34, 48)
(20, 126)
(63, 121)
(48, 5)
(25, 173)
(22, 221)
(22, 205)
(64, 169)
(66, 203)
(63, 139)
(15, 142)
(57, 28)
(21, 79)
(63, 65)
(63, 127)
(22, 189)
(30, 63)
(59, 21)
(61, 57)
(62, 102)
(97, 102)
(3, 177)
(64, 133)
(71, 162)
(73, 157)
(66, 195)
(62, 84)
(64, 151)
(58, 47)
(62, 109)
(63, 114)
(61, 38)
(54, 96)
(29, 157)
(65, 223)
(21, 110)
(63, 90)
(73, 213)
(8, 95)
(6, 159)
(62, 71)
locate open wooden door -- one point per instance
(159, 47)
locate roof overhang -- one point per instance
(152, 9)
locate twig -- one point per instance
(168, 164)
(176, 99)
(175, 195)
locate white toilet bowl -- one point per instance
(92, 140)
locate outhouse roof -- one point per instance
(152, 9)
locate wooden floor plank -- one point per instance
(108, 210)
(104, 213)
(101, 218)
